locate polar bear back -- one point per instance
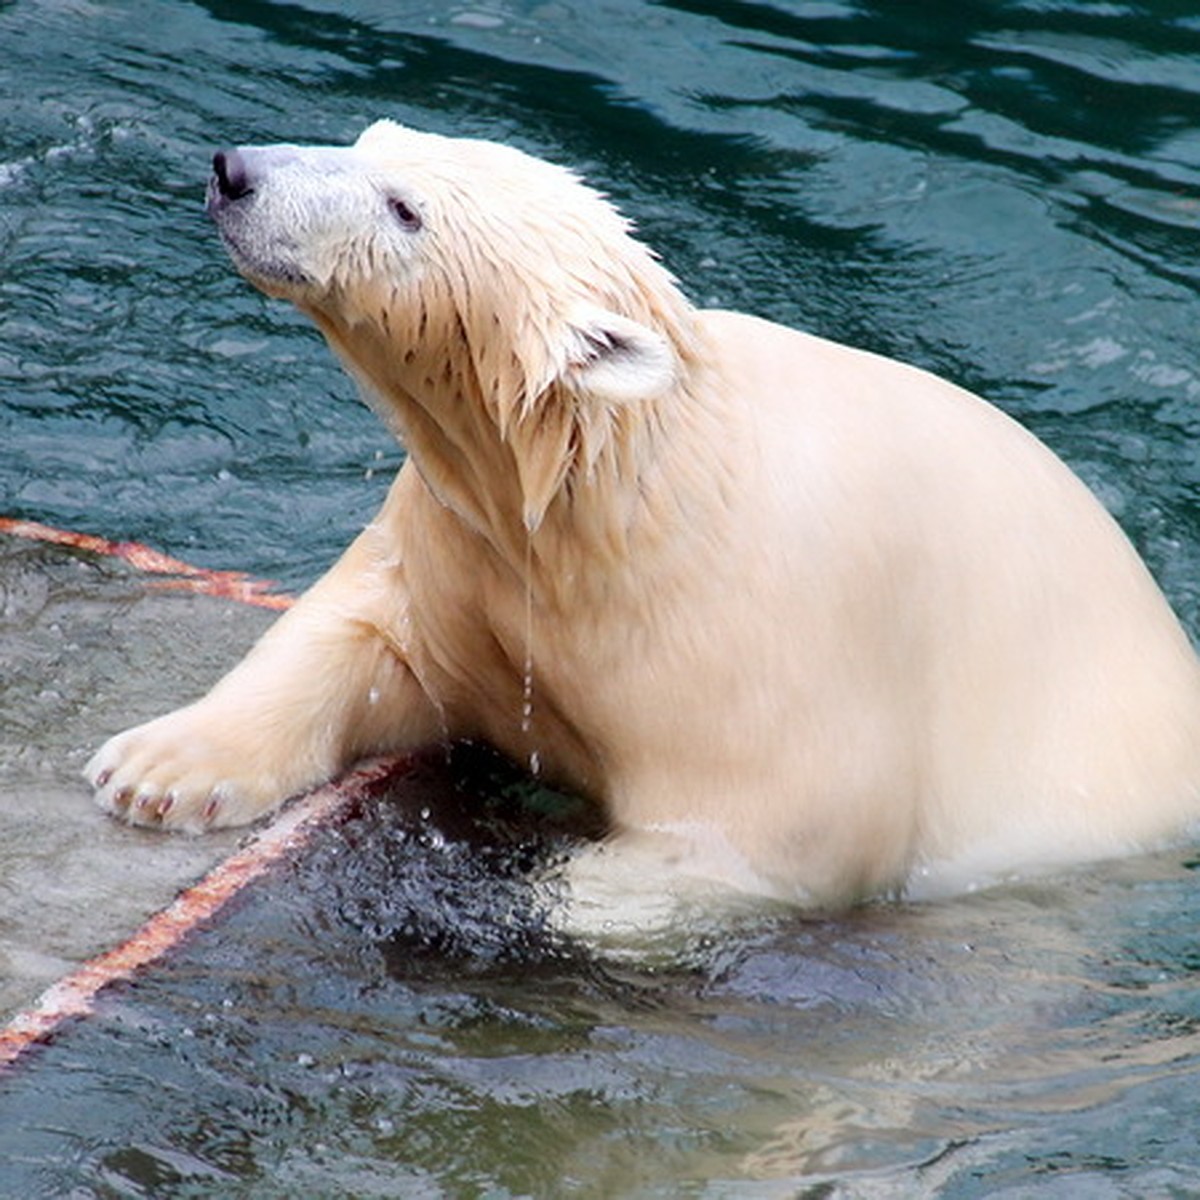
(967, 633)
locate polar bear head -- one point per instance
(448, 270)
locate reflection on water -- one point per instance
(1008, 193)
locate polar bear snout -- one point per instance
(296, 219)
(261, 200)
(235, 179)
(230, 177)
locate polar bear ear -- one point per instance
(615, 360)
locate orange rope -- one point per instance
(232, 585)
(75, 995)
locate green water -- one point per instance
(1008, 193)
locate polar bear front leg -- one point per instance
(324, 687)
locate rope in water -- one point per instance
(75, 995)
(233, 585)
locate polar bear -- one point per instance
(735, 583)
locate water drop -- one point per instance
(527, 677)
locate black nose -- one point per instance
(230, 174)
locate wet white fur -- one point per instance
(824, 611)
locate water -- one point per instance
(1008, 193)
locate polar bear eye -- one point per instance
(409, 218)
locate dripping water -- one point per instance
(534, 760)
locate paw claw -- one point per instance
(187, 771)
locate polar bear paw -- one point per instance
(183, 771)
